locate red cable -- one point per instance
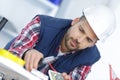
(52, 67)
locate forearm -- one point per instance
(27, 38)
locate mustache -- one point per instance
(75, 41)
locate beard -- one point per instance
(68, 45)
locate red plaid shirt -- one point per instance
(27, 40)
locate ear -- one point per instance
(75, 21)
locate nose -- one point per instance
(81, 38)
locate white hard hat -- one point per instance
(101, 19)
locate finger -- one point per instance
(31, 61)
(64, 74)
(36, 60)
(66, 77)
(35, 65)
(27, 59)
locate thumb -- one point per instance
(66, 76)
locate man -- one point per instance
(71, 42)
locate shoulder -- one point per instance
(89, 55)
(93, 54)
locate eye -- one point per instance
(81, 29)
(89, 40)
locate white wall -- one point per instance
(19, 13)
(73, 8)
(109, 50)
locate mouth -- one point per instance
(73, 43)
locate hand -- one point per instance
(66, 76)
(32, 58)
